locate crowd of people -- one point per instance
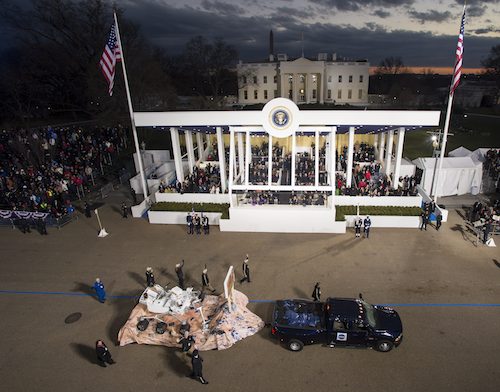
(259, 167)
(361, 153)
(485, 218)
(205, 180)
(45, 169)
(292, 198)
(492, 164)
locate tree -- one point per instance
(492, 62)
(205, 68)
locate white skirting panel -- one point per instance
(387, 221)
(282, 219)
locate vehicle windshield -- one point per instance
(371, 316)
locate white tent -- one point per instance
(460, 175)
(407, 168)
(479, 155)
(460, 152)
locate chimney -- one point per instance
(271, 46)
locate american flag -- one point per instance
(109, 57)
(457, 73)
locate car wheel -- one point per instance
(384, 346)
(295, 345)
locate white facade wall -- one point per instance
(333, 81)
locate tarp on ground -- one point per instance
(459, 176)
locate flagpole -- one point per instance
(447, 121)
(131, 112)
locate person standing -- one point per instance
(439, 219)
(357, 227)
(206, 227)
(197, 222)
(316, 294)
(487, 230)
(103, 354)
(189, 221)
(87, 210)
(205, 281)
(367, 224)
(246, 271)
(197, 364)
(100, 291)
(180, 274)
(42, 226)
(424, 217)
(134, 195)
(124, 210)
(150, 277)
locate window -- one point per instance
(275, 93)
(255, 79)
(244, 80)
(314, 94)
(265, 79)
(245, 94)
(349, 94)
(265, 94)
(350, 78)
(329, 78)
(329, 94)
(255, 94)
(360, 94)
(340, 78)
(339, 94)
(360, 78)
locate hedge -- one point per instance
(342, 211)
(188, 207)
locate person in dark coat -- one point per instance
(206, 226)
(100, 291)
(367, 223)
(134, 196)
(246, 271)
(180, 274)
(103, 354)
(42, 226)
(197, 223)
(439, 219)
(316, 294)
(87, 210)
(205, 281)
(190, 224)
(197, 364)
(124, 210)
(425, 218)
(150, 277)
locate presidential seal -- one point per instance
(280, 118)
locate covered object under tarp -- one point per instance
(459, 175)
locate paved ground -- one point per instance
(445, 348)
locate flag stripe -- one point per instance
(459, 53)
(110, 56)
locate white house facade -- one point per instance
(304, 81)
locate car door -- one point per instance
(339, 335)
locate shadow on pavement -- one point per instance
(496, 263)
(86, 289)
(137, 277)
(122, 308)
(85, 351)
(300, 293)
(178, 362)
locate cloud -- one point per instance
(356, 5)
(486, 30)
(381, 13)
(429, 16)
(222, 7)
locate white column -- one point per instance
(333, 148)
(399, 155)
(190, 150)
(207, 139)
(199, 142)
(222, 159)
(232, 159)
(241, 156)
(350, 153)
(270, 161)
(388, 155)
(284, 85)
(319, 88)
(295, 90)
(292, 182)
(316, 159)
(248, 156)
(176, 146)
(381, 147)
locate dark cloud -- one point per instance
(486, 30)
(222, 7)
(294, 12)
(356, 5)
(381, 13)
(429, 16)
(476, 10)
